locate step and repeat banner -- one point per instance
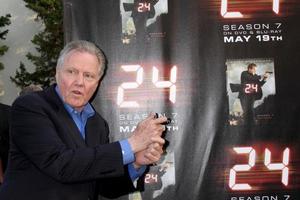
(226, 73)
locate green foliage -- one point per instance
(4, 21)
(48, 44)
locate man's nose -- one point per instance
(79, 79)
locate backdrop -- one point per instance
(231, 135)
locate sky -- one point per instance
(21, 31)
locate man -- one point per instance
(59, 144)
(250, 91)
(4, 132)
(30, 88)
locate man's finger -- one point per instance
(160, 120)
(151, 116)
(155, 148)
(158, 140)
(152, 157)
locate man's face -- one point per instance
(252, 70)
(78, 78)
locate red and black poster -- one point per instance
(226, 73)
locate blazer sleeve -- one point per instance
(35, 135)
(115, 187)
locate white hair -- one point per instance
(83, 46)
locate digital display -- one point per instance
(264, 166)
(237, 14)
(170, 84)
(144, 7)
(251, 88)
(151, 178)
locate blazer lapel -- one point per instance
(92, 135)
(63, 114)
(71, 126)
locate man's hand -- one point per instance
(148, 131)
(265, 76)
(150, 155)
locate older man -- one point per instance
(59, 143)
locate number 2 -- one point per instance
(236, 168)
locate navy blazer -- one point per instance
(49, 160)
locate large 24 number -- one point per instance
(226, 14)
(251, 162)
(139, 80)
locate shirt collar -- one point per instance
(87, 110)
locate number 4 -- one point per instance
(279, 166)
(166, 84)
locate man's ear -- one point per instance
(56, 75)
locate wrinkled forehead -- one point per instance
(77, 52)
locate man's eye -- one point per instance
(89, 76)
(70, 71)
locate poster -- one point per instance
(185, 60)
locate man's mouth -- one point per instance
(76, 92)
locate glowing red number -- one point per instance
(166, 84)
(150, 178)
(130, 85)
(254, 87)
(251, 162)
(250, 88)
(144, 7)
(279, 166)
(247, 88)
(139, 80)
(276, 6)
(147, 6)
(140, 8)
(225, 14)
(238, 168)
